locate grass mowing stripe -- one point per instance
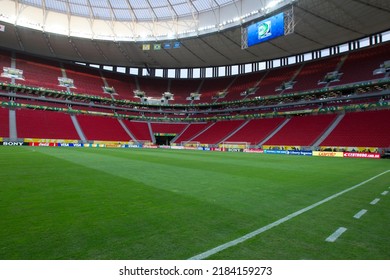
(278, 222)
(240, 192)
(194, 183)
(93, 215)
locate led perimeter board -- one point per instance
(265, 30)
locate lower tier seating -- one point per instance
(102, 128)
(358, 129)
(361, 129)
(4, 122)
(44, 124)
(302, 131)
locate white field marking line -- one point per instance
(375, 201)
(333, 237)
(359, 214)
(385, 193)
(252, 234)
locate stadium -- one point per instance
(207, 129)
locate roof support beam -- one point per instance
(381, 8)
(328, 20)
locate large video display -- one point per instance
(266, 29)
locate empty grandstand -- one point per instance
(100, 109)
(239, 77)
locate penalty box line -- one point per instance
(252, 234)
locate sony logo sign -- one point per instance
(10, 143)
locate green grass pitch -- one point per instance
(90, 203)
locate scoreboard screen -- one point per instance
(266, 29)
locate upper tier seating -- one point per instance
(123, 85)
(355, 66)
(86, 81)
(182, 89)
(39, 73)
(241, 84)
(153, 87)
(360, 65)
(275, 78)
(5, 61)
(210, 87)
(313, 72)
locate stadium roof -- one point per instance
(134, 10)
(204, 32)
